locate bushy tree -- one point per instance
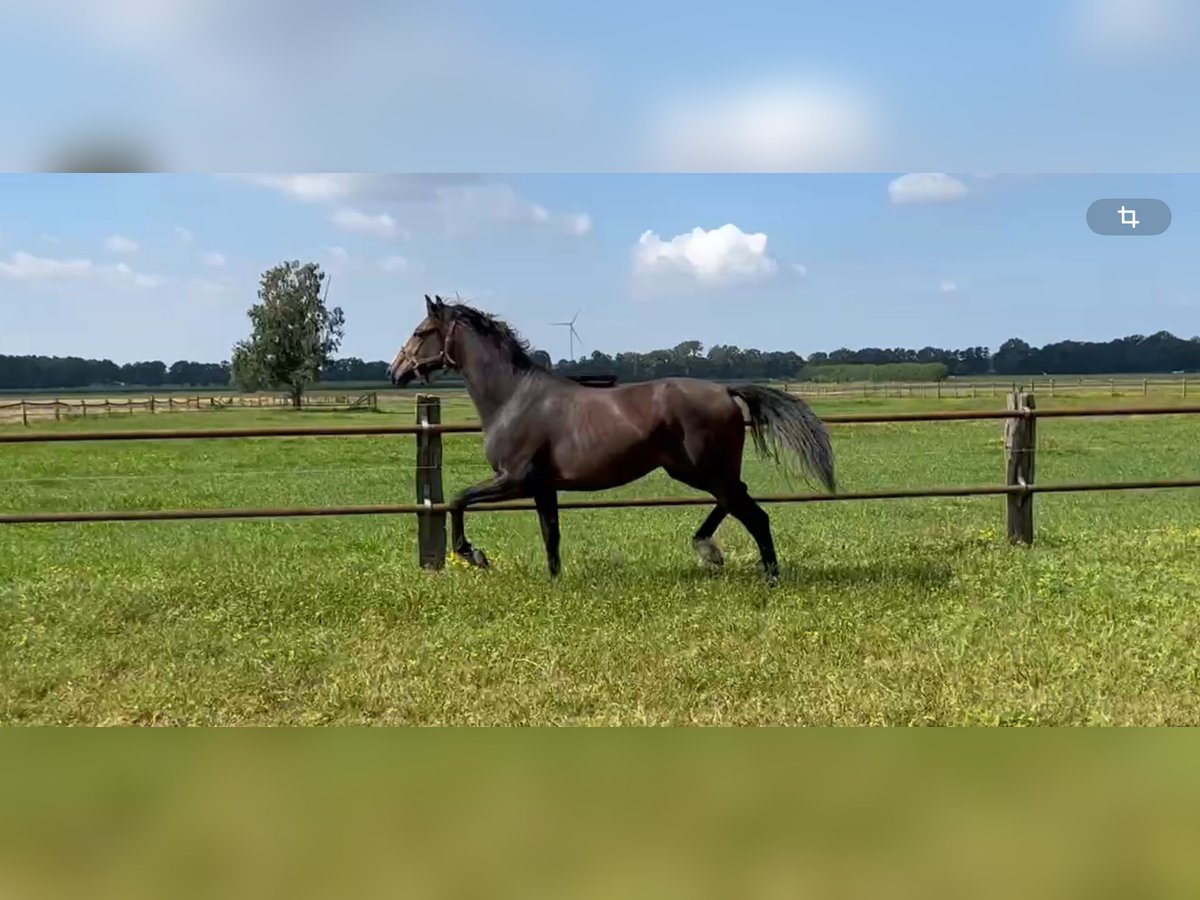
(293, 335)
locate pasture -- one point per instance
(888, 612)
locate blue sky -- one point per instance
(165, 266)
(371, 85)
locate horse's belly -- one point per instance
(603, 468)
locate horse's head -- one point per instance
(427, 350)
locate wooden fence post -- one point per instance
(431, 526)
(24, 414)
(57, 414)
(1020, 444)
(1185, 385)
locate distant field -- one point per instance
(39, 405)
(891, 612)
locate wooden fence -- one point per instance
(1019, 489)
(1053, 387)
(59, 409)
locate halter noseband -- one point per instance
(442, 360)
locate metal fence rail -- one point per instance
(187, 434)
(162, 515)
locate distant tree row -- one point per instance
(74, 372)
(1160, 352)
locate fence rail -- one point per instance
(431, 509)
(182, 434)
(969, 387)
(159, 515)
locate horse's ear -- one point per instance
(431, 308)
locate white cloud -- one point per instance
(800, 269)
(210, 287)
(26, 267)
(397, 264)
(783, 125)
(948, 287)
(22, 266)
(117, 243)
(463, 203)
(380, 225)
(1122, 31)
(578, 224)
(183, 235)
(926, 187)
(331, 187)
(51, 238)
(721, 256)
(123, 273)
(339, 254)
(214, 259)
(468, 207)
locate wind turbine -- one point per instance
(573, 334)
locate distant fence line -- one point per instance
(82, 407)
(1019, 489)
(971, 388)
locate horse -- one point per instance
(544, 433)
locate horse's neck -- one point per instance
(490, 383)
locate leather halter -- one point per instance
(441, 360)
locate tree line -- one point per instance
(1161, 352)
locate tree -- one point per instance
(293, 335)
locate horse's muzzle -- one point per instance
(401, 374)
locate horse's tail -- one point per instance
(778, 419)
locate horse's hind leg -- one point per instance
(702, 541)
(742, 507)
(547, 508)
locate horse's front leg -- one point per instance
(502, 487)
(547, 507)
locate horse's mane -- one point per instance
(513, 348)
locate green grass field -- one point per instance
(889, 612)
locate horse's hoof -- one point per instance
(478, 558)
(708, 551)
(772, 576)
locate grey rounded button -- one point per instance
(1132, 216)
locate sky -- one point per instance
(539, 86)
(131, 267)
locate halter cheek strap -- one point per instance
(443, 359)
(446, 358)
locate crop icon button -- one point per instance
(1142, 217)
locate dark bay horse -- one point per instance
(544, 433)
